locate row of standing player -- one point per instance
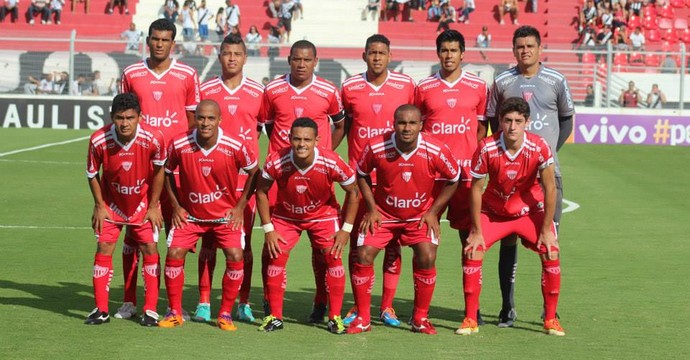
(368, 115)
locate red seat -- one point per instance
(669, 35)
(620, 59)
(634, 21)
(589, 58)
(668, 46)
(649, 22)
(649, 10)
(636, 59)
(666, 12)
(665, 23)
(680, 23)
(652, 35)
(652, 60)
(684, 35)
(677, 3)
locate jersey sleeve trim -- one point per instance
(349, 181)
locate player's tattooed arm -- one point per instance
(100, 210)
(475, 239)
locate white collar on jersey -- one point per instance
(402, 154)
(449, 84)
(299, 91)
(232, 91)
(305, 170)
(204, 151)
(159, 76)
(376, 88)
(513, 156)
(129, 144)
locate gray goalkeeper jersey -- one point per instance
(548, 96)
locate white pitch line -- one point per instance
(570, 206)
(42, 146)
(48, 162)
(36, 227)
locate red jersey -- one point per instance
(513, 188)
(164, 98)
(284, 103)
(371, 108)
(451, 112)
(406, 181)
(127, 169)
(208, 178)
(307, 194)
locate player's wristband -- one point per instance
(268, 228)
(347, 227)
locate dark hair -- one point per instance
(406, 107)
(526, 31)
(377, 38)
(123, 102)
(305, 122)
(163, 25)
(233, 39)
(450, 36)
(303, 44)
(514, 104)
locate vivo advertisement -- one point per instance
(632, 129)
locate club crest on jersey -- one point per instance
(407, 175)
(232, 109)
(126, 165)
(512, 174)
(451, 102)
(206, 170)
(298, 112)
(157, 95)
(301, 189)
(377, 108)
(527, 95)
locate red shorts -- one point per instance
(319, 232)
(249, 216)
(142, 234)
(223, 236)
(528, 227)
(459, 207)
(406, 233)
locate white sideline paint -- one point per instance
(48, 162)
(570, 206)
(45, 227)
(43, 146)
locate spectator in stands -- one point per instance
(589, 97)
(274, 7)
(273, 38)
(170, 8)
(285, 18)
(621, 41)
(402, 8)
(533, 6)
(588, 38)
(204, 14)
(588, 16)
(232, 15)
(668, 66)
(43, 86)
(630, 97)
(98, 85)
(220, 24)
(508, 7)
(252, 40)
(9, 7)
(637, 39)
(634, 8)
(133, 37)
(434, 11)
(604, 38)
(484, 41)
(122, 4)
(39, 7)
(618, 16)
(299, 10)
(656, 98)
(465, 11)
(76, 89)
(265, 80)
(187, 20)
(56, 10)
(372, 8)
(447, 17)
(606, 17)
(61, 81)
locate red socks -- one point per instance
(472, 286)
(207, 264)
(550, 286)
(319, 265)
(335, 284)
(102, 274)
(275, 283)
(174, 282)
(363, 279)
(130, 262)
(248, 265)
(151, 271)
(232, 280)
(391, 275)
(424, 284)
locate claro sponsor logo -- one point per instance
(402, 203)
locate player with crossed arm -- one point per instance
(401, 208)
(305, 174)
(303, 94)
(240, 100)
(206, 204)
(168, 92)
(131, 156)
(547, 92)
(369, 100)
(453, 105)
(513, 203)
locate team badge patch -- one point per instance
(100, 271)
(205, 170)
(274, 271)
(301, 189)
(377, 108)
(234, 274)
(157, 95)
(527, 95)
(152, 270)
(173, 272)
(336, 272)
(512, 174)
(451, 102)
(407, 175)
(232, 109)
(299, 111)
(126, 165)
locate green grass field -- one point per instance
(625, 255)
